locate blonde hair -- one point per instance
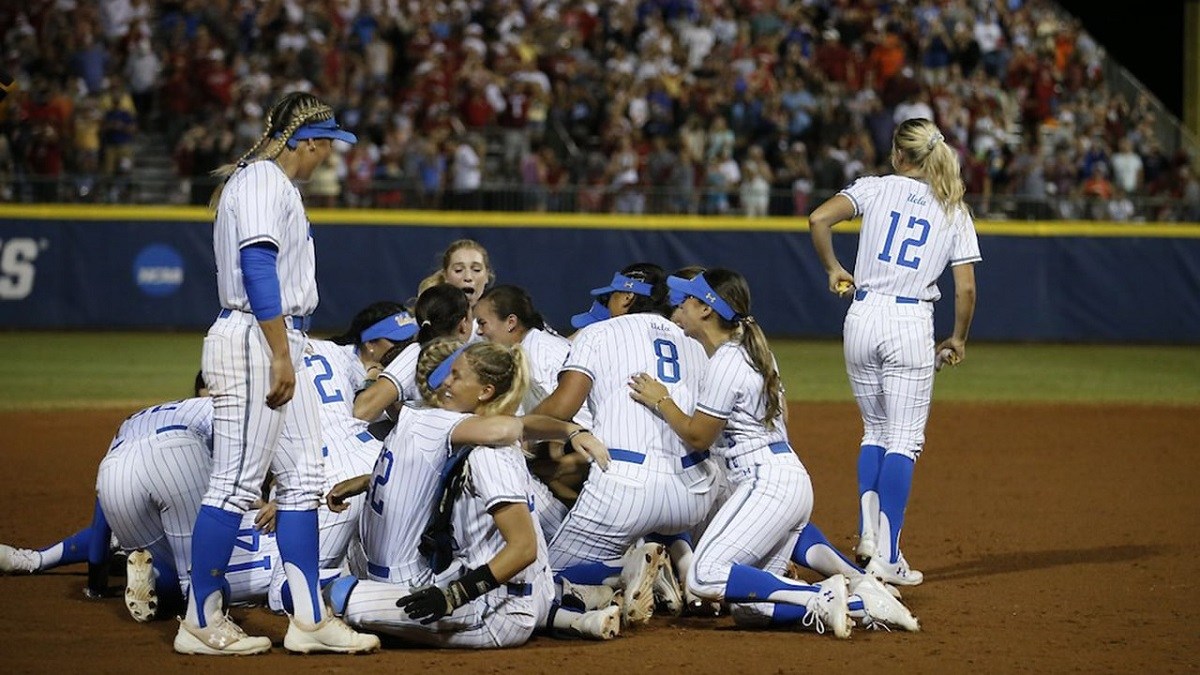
(456, 246)
(289, 113)
(921, 144)
(732, 287)
(505, 368)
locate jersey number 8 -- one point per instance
(668, 360)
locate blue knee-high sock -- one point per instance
(786, 615)
(212, 544)
(591, 574)
(870, 460)
(895, 482)
(73, 549)
(298, 538)
(98, 552)
(812, 536)
(750, 584)
(166, 585)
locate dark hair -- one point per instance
(199, 384)
(656, 302)
(367, 317)
(439, 310)
(732, 288)
(508, 299)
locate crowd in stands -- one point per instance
(661, 106)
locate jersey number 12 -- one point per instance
(915, 241)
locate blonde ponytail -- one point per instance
(923, 146)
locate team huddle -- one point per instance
(453, 472)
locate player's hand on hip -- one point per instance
(841, 282)
(265, 520)
(646, 390)
(283, 382)
(341, 493)
(593, 447)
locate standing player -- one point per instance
(914, 224)
(654, 484)
(266, 282)
(745, 549)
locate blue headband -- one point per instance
(324, 129)
(439, 374)
(698, 288)
(397, 328)
(624, 284)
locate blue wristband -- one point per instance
(261, 280)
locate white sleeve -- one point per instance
(966, 245)
(499, 475)
(722, 386)
(257, 204)
(862, 191)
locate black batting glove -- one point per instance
(430, 603)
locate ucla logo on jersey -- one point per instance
(158, 270)
(913, 199)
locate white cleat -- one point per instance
(881, 607)
(141, 598)
(898, 573)
(221, 637)
(865, 551)
(592, 597)
(331, 635)
(19, 560)
(827, 610)
(638, 576)
(599, 624)
(667, 593)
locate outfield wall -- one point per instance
(81, 267)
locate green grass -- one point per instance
(81, 369)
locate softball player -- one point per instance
(745, 549)
(440, 311)
(506, 315)
(501, 548)
(465, 264)
(655, 484)
(914, 224)
(266, 282)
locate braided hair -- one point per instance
(289, 113)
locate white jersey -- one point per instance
(732, 390)
(494, 476)
(402, 372)
(403, 492)
(338, 374)
(546, 353)
(260, 204)
(906, 239)
(612, 351)
(193, 415)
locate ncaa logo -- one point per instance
(158, 270)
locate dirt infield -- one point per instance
(1053, 539)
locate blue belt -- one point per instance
(300, 323)
(173, 427)
(687, 461)
(365, 436)
(379, 570)
(780, 448)
(519, 590)
(900, 300)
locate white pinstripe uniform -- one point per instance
(545, 353)
(402, 372)
(337, 373)
(654, 484)
(404, 488)
(905, 244)
(249, 436)
(504, 617)
(150, 484)
(771, 495)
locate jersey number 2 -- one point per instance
(382, 476)
(324, 375)
(916, 241)
(668, 360)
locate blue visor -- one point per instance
(698, 288)
(326, 129)
(398, 327)
(675, 298)
(624, 284)
(595, 314)
(439, 374)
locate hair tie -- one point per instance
(425, 323)
(748, 320)
(935, 139)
